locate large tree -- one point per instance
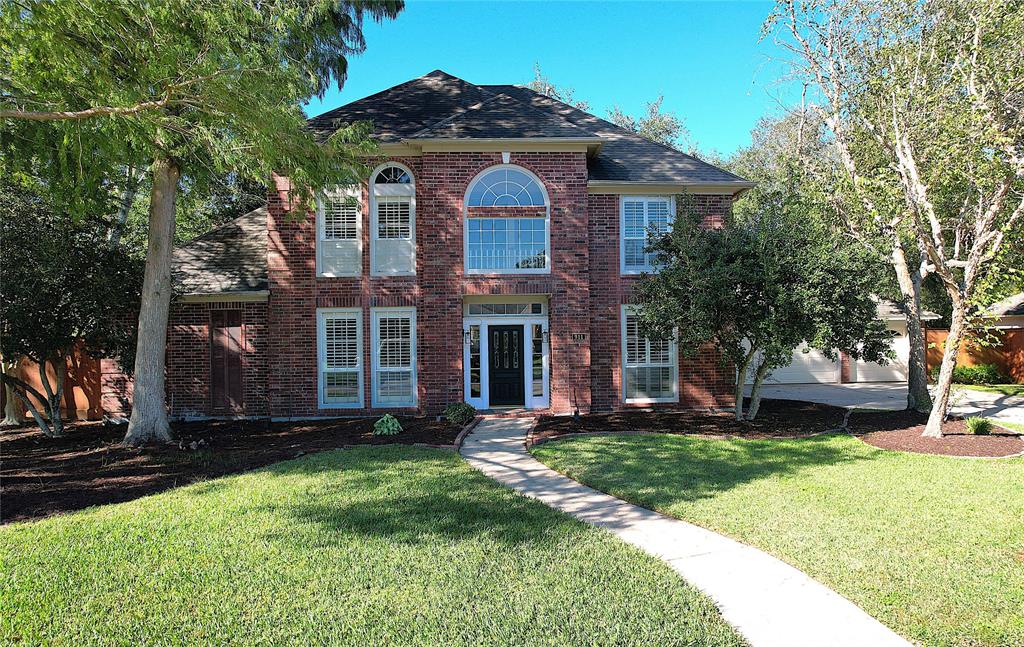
(923, 102)
(63, 291)
(660, 126)
(179, 88)
(761, 287)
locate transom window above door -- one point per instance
(507, 223)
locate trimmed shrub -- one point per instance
(979, 426)
(388, 425)
(459, 414)
(981, 374)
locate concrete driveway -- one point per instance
(893, 395)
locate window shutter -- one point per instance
(394, 358)
(649, 365)
(339, 242)
(641, 216)
(394, 249)
(340, 358)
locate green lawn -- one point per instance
(1005, 389)
(931, 546)
(1012, 426)
(364, 546)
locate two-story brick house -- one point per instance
(489, 257)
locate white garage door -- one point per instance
(806, 368)
(895, 370)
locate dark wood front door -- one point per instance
(506, 366)
(226, 360)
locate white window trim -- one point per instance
(322, 314)
(465, 226)
(623, 199)
(391, 190)
(673, 352)
(354, 191)
(530, 401)
(375, 316)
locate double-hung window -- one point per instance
(393, 222)
(649, 366)
(339, 243)
(340, 352)
(642, 217)
(394, 357)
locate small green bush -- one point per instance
(388, 425)
(981, 374)
(979, 426)
(459, 414)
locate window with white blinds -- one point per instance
(641, 217)
(393, 221)
(649, 366)
(339, 335)
(339, 228)
(394, 357)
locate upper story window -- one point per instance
(507, 223)
(339, 231)
(642, 217)
(392, 221)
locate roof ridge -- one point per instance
(459, 113)
(427, 76)
(627, 132)
(220, 226)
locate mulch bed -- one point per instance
(775, 419)
(901, 431)
(895, 430)
(42, 476)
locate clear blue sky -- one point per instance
(703, 56)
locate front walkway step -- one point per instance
(768, 601)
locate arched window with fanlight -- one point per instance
(507, 223)
(392, 221)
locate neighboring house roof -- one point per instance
(890, 311)
(442, 106)
(1011, 306)
(229, 259)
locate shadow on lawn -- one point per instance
(410, 499)
(657, 471)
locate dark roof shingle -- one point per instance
(230, 258)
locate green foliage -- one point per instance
(543, 85)
(61, 283)
(388, 425)
(980, 374)
(663, 127)
(215, 86)
(979, 426)
(761, 286)
(459, 413)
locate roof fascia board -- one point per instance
(225, 297)
(656, 188)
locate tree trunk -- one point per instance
(755, 391)
(148, 422)
(11, 414)
(53, 397)
(940, 404)
(132, 180)
(741, 379)
(918, 398)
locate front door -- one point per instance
(506, 366)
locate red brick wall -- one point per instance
(188, 363)
(703, 381)
(437, 289)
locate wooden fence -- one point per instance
(1008, 355)
(81, 387)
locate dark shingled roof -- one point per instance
(230, 258)
(440, 105)
(502, 117)
(890, 311)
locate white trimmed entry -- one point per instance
(505, 341)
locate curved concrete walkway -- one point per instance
(768, 601)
